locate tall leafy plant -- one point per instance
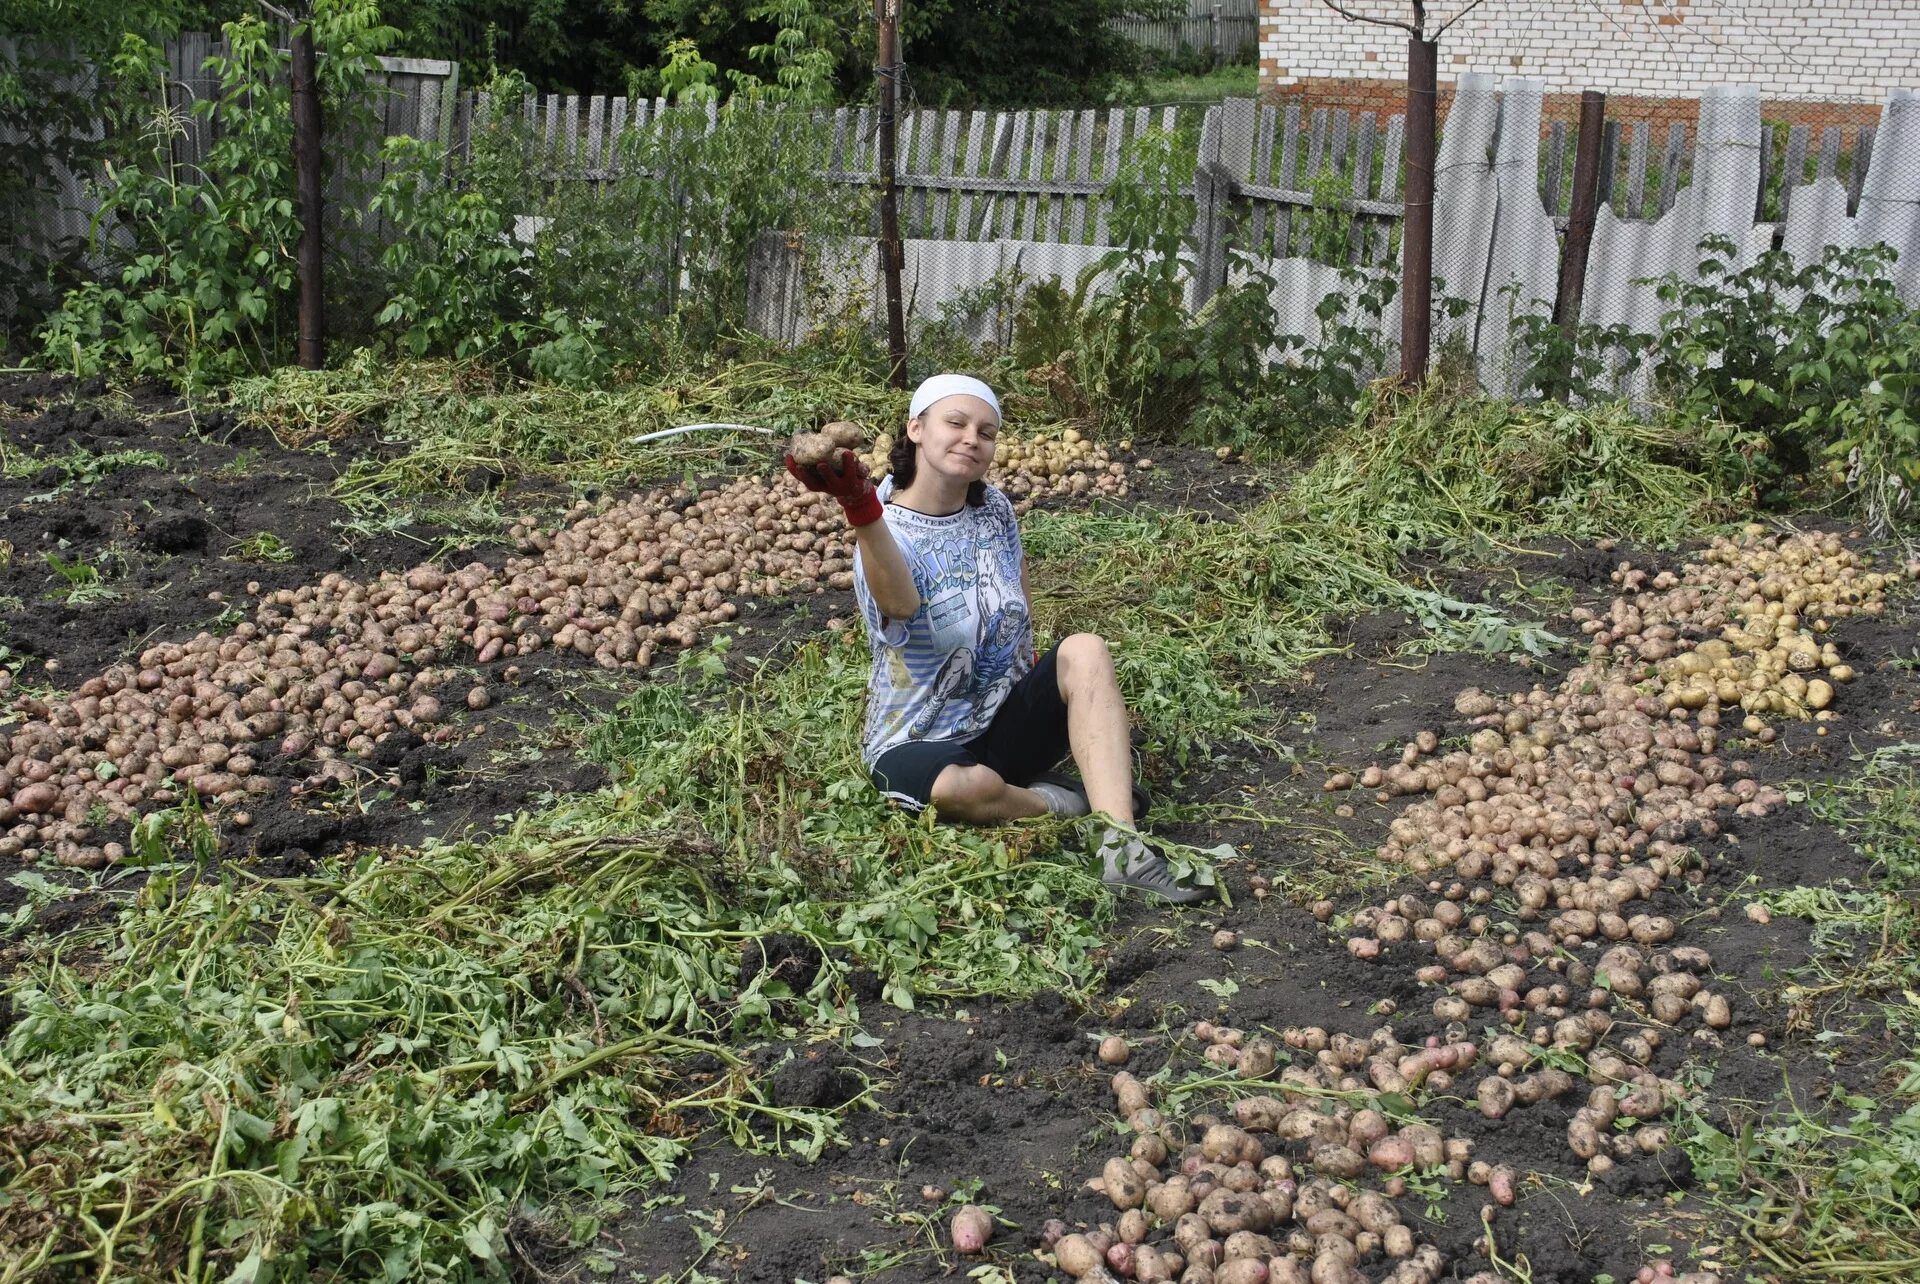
(673, 237)
(1125, 331)
(201, 280)
(1124, 345)
(458, 282)
(1800, 354)
(55, 103)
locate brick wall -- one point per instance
(1818, 62)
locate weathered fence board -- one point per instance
(1228, 29)
(1637, 149)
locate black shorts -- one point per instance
(1026, 738)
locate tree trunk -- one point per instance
(1580, 220)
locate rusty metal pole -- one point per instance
(892, 250)
(309, 189)
(1416, 245)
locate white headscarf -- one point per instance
(951, 385)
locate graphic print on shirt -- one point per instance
(946, 673)
(1006, 637)
(973, 577)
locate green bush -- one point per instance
(458, 281)
(656, 259)
(202, 282)
(1817, 360)
(1135, 356)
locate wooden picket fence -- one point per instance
(1639, 181)
(1042, 175)
(1228, 29)
(1311, 192)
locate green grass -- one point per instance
(82, 467)
(262, 546)
(1236, 80)
(1829, 1189)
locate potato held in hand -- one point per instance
(971, 1228)
(844, 434)
(812, 449)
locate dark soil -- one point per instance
(1000, 1103)
(1006, 1104)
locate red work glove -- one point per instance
(845, 478)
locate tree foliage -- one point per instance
(1023, 51)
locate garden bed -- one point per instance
(988, 1100)
(1007, 1103)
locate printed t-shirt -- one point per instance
(943, 674)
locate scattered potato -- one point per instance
(970, 1229)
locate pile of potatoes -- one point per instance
(1574, 806)
(333, 668)
(1771, 601)
(1031, 469)
(1271, 1193)
(341, 664)
(1220, 1201)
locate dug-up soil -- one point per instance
(1008, 1101)
(1004, 1102)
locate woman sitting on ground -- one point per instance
(961, 713)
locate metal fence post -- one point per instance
(1416, 291)
(892, 251)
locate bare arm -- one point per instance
(885, 568)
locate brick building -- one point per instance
(1817, 62)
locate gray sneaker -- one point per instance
(1127, 861)
(1072, 795)
(1063, 798)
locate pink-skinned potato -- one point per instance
(970, 1229)
(1391, 1152)
(1245, 1270)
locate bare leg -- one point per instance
(978, 795)
(1097, 725)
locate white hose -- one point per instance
(674, 432)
